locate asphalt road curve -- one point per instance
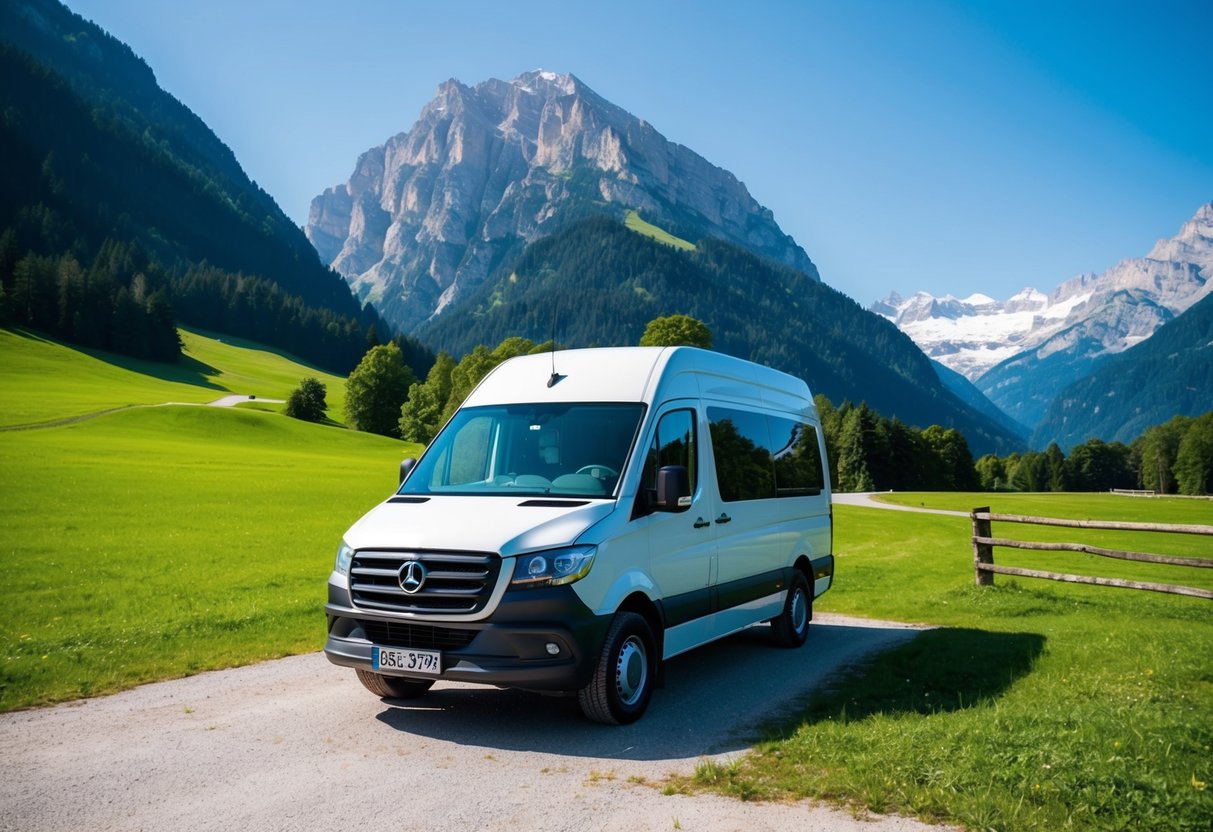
(298, 744)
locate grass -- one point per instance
(44, 380)
(1033, 705)
(634, 222)
(157, 542)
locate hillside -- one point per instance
(105, 168)
(87, 382)
(1169, 374)
(597, 284)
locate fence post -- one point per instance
(982, 552)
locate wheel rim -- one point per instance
(800, 610)
(631, 671)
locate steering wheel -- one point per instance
(601, 472)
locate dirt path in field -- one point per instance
(299, 744)
(868, 500)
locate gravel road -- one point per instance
(299, 744)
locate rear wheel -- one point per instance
(392, 687)
(791, 628)
(622, 684)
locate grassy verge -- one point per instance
(1034, 706)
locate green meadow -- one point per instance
(1032, 705)
(154, 542)
(640, 226)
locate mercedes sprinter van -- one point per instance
(583, 516)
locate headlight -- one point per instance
(554, 567)
(344, 555)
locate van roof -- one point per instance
(640, 374)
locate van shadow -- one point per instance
(720, 698)
(943, 670)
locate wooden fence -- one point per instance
(984, 543)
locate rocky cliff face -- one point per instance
(1022, 352)
(430, 214)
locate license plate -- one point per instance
(412, 661)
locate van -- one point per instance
(584, 516)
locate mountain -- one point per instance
(1169, 374)
(98, 159)
(1023, 351)
(596, 282)
(432, 213)
(968, 393)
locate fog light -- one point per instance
(553, 648)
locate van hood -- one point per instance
(507, 525)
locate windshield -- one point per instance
(566, 450)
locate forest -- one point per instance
(756, 309)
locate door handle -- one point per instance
(723, 518)
(700, 523)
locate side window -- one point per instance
(674, 444)
(741, 447)
(797, 458)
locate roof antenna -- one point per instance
(555, 377)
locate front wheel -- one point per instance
(791, 628)
(392, 687)
(622, 684)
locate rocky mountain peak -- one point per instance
(1193, 243)
(428, 215)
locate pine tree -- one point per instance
(853, 474)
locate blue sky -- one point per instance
(951, 147)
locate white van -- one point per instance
(585, 515)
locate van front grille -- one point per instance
(422, 582)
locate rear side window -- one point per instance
(797, 458)
(760, 456)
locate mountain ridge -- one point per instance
(1024, 351)
(429, 215)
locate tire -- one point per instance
(791, 628)
(392, 687)
(622, 684)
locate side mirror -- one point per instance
(406, 465)
(673, 488)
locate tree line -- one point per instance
(865, 451)
(1175, 457)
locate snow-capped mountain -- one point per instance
(971, 335)
(1023, 351)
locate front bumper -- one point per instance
(508, 650)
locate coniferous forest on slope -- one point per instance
(596, 283)
(118, 205)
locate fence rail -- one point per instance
(984, 542)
